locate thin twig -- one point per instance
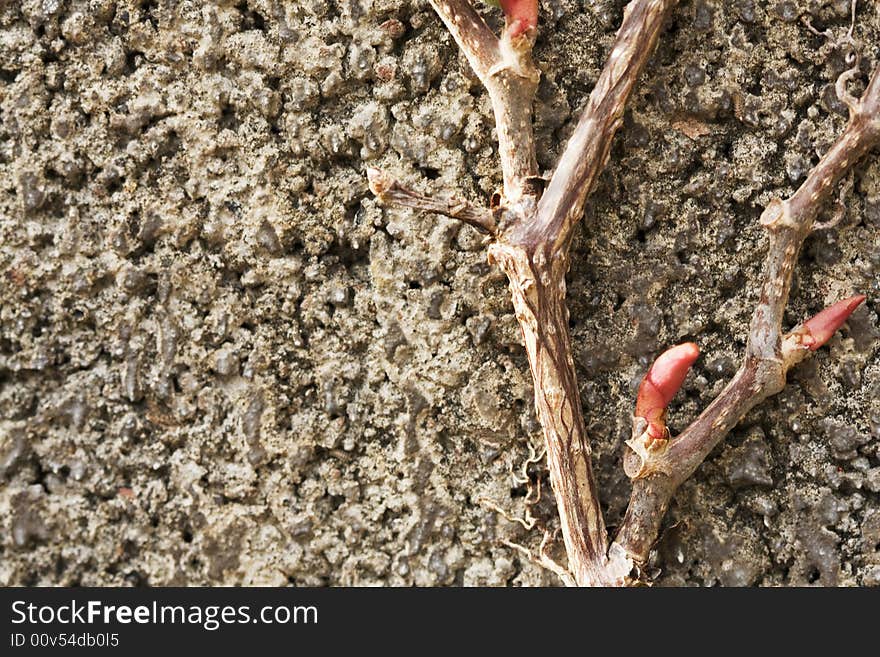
(527, 522)
(389, 191)
(543, 560)
(505, 68)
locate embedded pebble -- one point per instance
(750, 464)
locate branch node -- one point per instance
(645, 455)
(516, 44)
(379, 181)
(390, 192)
(777, 215)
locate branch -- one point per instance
(790, 222)
(537, 287)
(390, 192)
(587, 151)
(505, 68)
(769, 353)
(532, 249)
(534, 255)
(532, 237)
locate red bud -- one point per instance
(660, 384)
(522, 16)
(818, 330)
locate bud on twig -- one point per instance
(660, 384)
(817, 330)
(521, 15)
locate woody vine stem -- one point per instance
(531, 225)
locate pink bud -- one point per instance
(817, 330)
(522, 16)
(660, 384)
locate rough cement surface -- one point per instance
(222, 363)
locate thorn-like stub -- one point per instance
(645, 453)
(777, 215)
(379, 181)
